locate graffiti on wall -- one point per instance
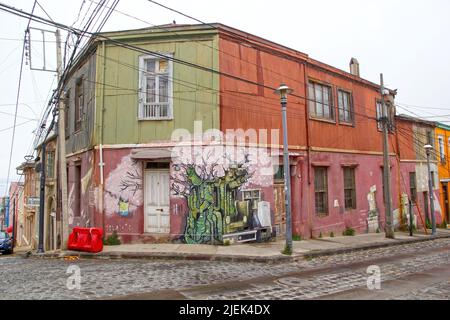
(123, 193)
(211, 192)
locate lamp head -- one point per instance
(428, 148)
(283, 91)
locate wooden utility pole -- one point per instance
(389, 228)
(62, 150)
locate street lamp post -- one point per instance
(428, 149)
(283, 91)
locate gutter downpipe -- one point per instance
(101, 164)
(308, 145)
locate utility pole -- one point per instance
(62, 149)
(389, 228)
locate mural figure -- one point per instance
(123, 192)
(124, 208)
(211, 194)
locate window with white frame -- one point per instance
(441, 149)
(155, 101)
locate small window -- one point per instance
(278, 173)
(321, 190)
(390, 114)
(442, 156)
(349, 188)
(345, 106)
(50, 165)
(156, 88)
(79, 103)
(413, 187)
(320, 101)
(66, 112)
(379, 115)
(157, 165)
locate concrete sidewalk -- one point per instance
(252, 252)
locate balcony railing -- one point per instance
(154, 111)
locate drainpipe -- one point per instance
(42, 198)
(101, 164)
(308, 146)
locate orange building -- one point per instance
(442, 150)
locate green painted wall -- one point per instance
(195, 91)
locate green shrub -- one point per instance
(348, 232)
(443, 225)
(378, 230)
(226, 242)
(428, 224)
(297, 237)
(320, 235)
(112, 240)
(331, 234)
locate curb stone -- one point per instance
(228, 258)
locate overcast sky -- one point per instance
(408, 41)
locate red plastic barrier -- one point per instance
(86, 239)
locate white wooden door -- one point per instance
(157, 215)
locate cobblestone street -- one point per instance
(412, 271)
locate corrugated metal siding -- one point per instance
(194, 91)
(81, 139)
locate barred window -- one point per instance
(321, 190)
(320, 101)
(349, 188)
(155, 101)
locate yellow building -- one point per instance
(442, 150)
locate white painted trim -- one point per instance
(141, 88)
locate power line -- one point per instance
(141, 50)
(18, 97)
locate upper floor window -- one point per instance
(320, 101)
(50, 165)
(390, 113)
(379, 115)
(345, 106)
(79, 103)
(66, 112)
(155, 101)
(441, 149)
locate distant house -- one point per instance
(412, 135)
(442, 142)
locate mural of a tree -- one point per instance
(210, 190)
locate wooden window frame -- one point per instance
(351, 106)
(312, 100)
(50, 165)
(321, 191)
(67, 112)
(79, 105)
(143, 74)
(351, 188)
